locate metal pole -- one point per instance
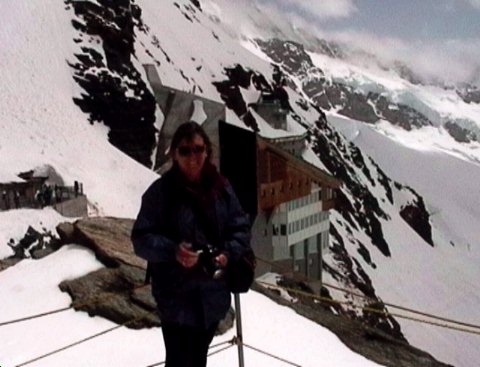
(238, 319)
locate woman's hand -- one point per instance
(186, 256)
(222, 260)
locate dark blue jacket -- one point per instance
(168, 216)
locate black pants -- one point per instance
(186, 346)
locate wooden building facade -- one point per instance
(286, 197)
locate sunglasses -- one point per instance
(187, 151)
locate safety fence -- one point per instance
(428, 318)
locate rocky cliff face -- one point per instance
(114, 92)
(327, 94)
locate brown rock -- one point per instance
(66, 232)
(108, 237)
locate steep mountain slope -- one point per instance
(389, 241)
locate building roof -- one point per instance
(315, 173)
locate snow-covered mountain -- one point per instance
(75, 97)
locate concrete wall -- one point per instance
(73, 208)
(293, 146)
(262, 242)
(180, 106)
(273, 114)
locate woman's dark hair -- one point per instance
(187, 131)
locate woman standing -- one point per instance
(190, 224)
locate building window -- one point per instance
(283, 230)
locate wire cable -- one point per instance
(271, 355)
(422, 313)
(368, 309)
(74, 344)
(75, 306)
(35, 316)
(231, 342)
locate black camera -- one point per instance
(207, 254)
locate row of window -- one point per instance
(304, 201)
(312, 245)
(291, 184)
(300, 224)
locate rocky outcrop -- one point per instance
(34, 244)
(116, 292)
(459, 133)
(470, 94)
(108, 237)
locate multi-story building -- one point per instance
(286, 197)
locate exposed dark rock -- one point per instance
(34, 244)
(230, 93)
(196, 3)
(398, 114)
(357, 158)
(363, 251)
(365, 209)
(470, 94)
(418, 218)
(329, 48)
(110, 293)
(292, 56)
(364, 284)
(459, 133)
(9, 261)
(384, 181)
(356, 106)
(115, 93)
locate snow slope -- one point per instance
(441, 280)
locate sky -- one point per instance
(441, 38)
